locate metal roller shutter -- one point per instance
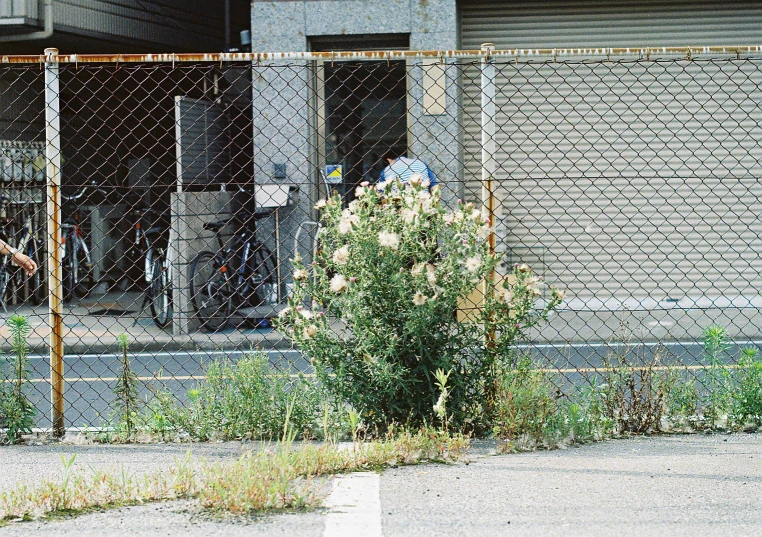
(609, 24)
(631, 181)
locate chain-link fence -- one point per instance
(629, 178)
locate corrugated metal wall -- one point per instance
(18, 9)
(527, 24)
(634, 179)
(190, 25)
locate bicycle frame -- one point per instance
(28, 241)
(149, 245)
(150, 249)
(240, 274)
(239, 252)
(242, 241)
(74, 232)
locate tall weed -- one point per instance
(16, 411)
(717, 401)
(524, 403)
(126, 391)
(635, 387)
(528, 411)
(747, 397)
(682, 403)
(245, 399)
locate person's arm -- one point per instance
(382, 178)
(19, 258)
(432, 178)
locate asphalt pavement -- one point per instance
(688, 485)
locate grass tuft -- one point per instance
(282, 478)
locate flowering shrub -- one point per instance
(385, 287)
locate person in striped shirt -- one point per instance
(402, 168)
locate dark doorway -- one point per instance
(365, 107)
(366, 115)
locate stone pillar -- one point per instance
(190, 210)
(282, 111)
(436, 138)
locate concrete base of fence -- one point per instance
(651, 325)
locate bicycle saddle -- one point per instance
(242, 218)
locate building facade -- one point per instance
(626, 215)
(117, 26)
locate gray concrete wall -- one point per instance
(281, 136)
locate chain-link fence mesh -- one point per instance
(633, 183)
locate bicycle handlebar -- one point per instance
(81, 193)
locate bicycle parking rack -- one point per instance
(270, 199)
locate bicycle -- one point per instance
(151, 244)
(237, 275)
(76, 261)
(29, 243)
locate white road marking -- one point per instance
(355, 506)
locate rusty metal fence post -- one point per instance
(488, 137)
(488, 158)
(53, 181)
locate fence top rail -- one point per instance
(487, 52)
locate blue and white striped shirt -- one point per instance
(402, 168)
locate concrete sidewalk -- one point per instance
(92, 324)
(709, 485)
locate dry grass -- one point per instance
(264, 480)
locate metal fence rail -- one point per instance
(630, 177)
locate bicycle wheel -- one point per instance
(262, 282)
(160, 293)
(5, 278)
(84, 270)
(36, 282)
(67, 268)
(210, 291)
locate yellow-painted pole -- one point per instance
(53, 179)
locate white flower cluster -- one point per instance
(387, 239)
(559, 294)
(431, 272)
(341, 256)
(348, 221)
(419, 299)
(473, 264)
(339, 284)
(533, 285)
(417, 180)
